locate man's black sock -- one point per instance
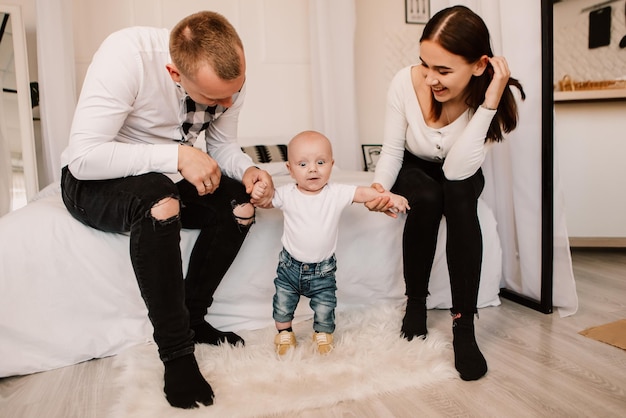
(206, 334)
(184, 384)
(414, 322)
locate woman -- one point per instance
(442, 117)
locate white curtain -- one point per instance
(55, 55)
(333, 26)
(513, 168)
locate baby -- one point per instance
(312, 208)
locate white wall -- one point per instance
(276, 37)
(384, 45)
(276, 42)
(590, 136)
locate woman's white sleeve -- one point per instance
(469, 150)
(394, 137)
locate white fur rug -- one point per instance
(369, 358)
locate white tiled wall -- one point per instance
(572, 55)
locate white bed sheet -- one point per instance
(68, 293)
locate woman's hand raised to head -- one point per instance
(499, 81)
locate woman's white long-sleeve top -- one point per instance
(128, 118)
(460, 145)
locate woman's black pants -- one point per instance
(431, 196)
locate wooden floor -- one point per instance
(539, 366)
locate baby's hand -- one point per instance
(258, 190)
(400, 203)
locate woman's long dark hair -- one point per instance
(462, 32)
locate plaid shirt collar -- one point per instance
(198, 117)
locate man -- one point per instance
(131, 167)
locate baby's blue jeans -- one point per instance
(313, 280)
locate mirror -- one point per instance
(18, 164)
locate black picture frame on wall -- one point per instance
(417, 11)
(371, 153)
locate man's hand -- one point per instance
(199, 169)
(381, 204)
(254, 175)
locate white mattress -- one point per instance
(68, 293)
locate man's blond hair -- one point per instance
(206, 38)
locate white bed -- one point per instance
(68, 293)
